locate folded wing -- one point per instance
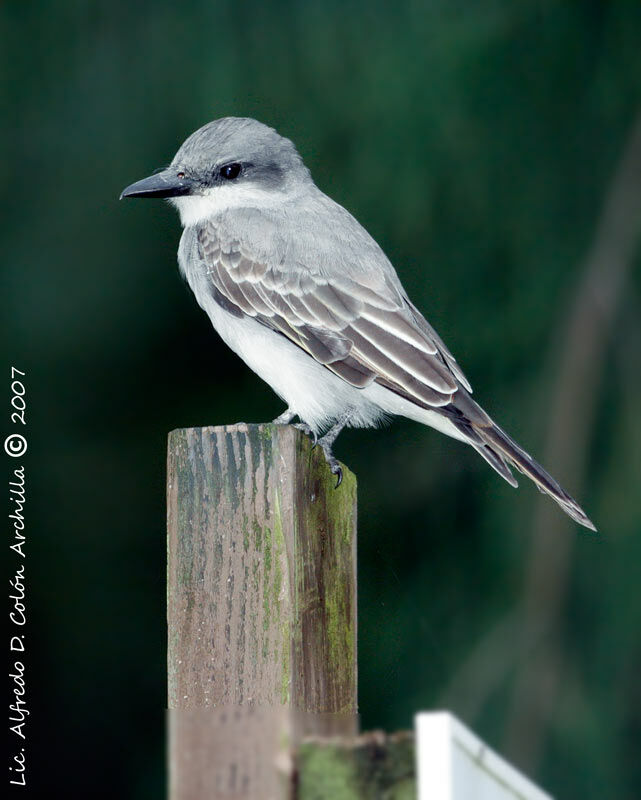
(360, 333)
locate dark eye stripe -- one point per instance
(230, 171)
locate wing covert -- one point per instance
(362, 333)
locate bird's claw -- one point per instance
(339, 475)
(335, 469)
(332, 462)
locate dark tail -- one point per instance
(501, 452)
(509, 450)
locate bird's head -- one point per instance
(230, 162)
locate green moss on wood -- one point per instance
(370, 767)
(325, 588)
(325, 772)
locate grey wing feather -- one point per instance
(360, 331)
(429, 331)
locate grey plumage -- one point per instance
(307, 298)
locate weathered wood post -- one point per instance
(261, 607)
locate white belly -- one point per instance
(310, 390)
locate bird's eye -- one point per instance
(180, 175)
(230, 171)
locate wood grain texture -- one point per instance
(261, 591)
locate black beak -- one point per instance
(169, 183)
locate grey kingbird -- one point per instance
(304, 295)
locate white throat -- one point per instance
(196, 208)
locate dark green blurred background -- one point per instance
(477, 143)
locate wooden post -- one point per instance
(261, 607)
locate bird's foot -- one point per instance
(285, 418)
(305, 428)
(326, 446)
(326, 442)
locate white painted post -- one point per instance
(454, 764)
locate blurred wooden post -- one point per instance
(261, 607)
